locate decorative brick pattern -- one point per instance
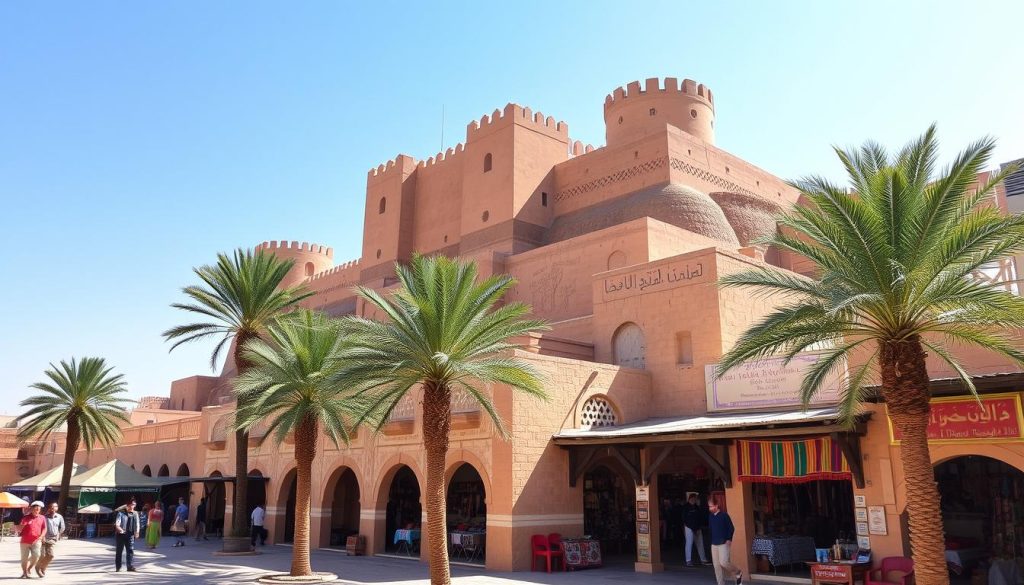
(644, 168)
(597, 412)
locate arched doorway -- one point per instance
(629, 348)
(164, 471)
(467, 514)
(981, 513)
(403, 508)
(216, 502)
(182, 470)
(342, 500)
(257, 493)
(609, 501)
(147, 472)
(286, 501)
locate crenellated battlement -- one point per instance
(441, 156)
(671, 86)
(296, 246)
(516, 114)
(578, 148)
(344, 266)
(387, 168)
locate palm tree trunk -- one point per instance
(437, 422)
(73, 438)
(905, 387)
(240, 505)
(305, 451)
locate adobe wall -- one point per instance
(538, 482)
(192, 393)
(664, 298)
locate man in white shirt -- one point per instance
(258, 516)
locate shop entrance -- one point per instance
(983, 517)
(344, 505)
(404, 512)
(467, 515)
(609, 501)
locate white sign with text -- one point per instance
(768, 383)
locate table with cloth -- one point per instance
(581, 553)
(407, 539)
(468, 544)
(784, 550)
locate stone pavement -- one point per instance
(92, 561)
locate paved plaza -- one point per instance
(92, 561)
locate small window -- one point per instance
(487, 162)
(485, 215)
(309, 269)
(684, 348)
(693, 113)
(653, 111)
(383, 205)
(544, 199)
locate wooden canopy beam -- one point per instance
(721, 468)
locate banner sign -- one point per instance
(964, 419)
(768, 383)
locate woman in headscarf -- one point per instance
(154, 526)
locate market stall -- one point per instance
(802, 499)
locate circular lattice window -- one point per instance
(597, 412)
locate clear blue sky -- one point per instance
(138, 139)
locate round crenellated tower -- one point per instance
(631, 113)
(309, 258)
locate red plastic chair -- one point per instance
(883, 575)
(542, 548)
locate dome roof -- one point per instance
(671, 203)
(751, 216)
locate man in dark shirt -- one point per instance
(721, 544)
(694, 519)
(201, 520)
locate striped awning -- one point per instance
(791, 461)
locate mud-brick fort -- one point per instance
(619, 247)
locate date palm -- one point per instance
(445, 332)
(83, 395)
(894, 259)
(239, 297)
(290, 385)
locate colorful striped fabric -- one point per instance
(791, 461)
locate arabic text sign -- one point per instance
(647, 279)
(963, 419)
(767, 383)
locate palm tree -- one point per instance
(84, 396)
(240, 296)
(290, 385)
(446, 332)
(894, 260)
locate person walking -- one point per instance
(178, 527)
(258, 516)
(144, 519)
(126, 530)
(154, 525)
(721, 543)
(694, 519)
(55, 529)
(201, 520)
(33, 530)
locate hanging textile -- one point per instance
(791, 461)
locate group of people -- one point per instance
(694, 518)
(40, 532)
(130, 524)
(39, 535)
